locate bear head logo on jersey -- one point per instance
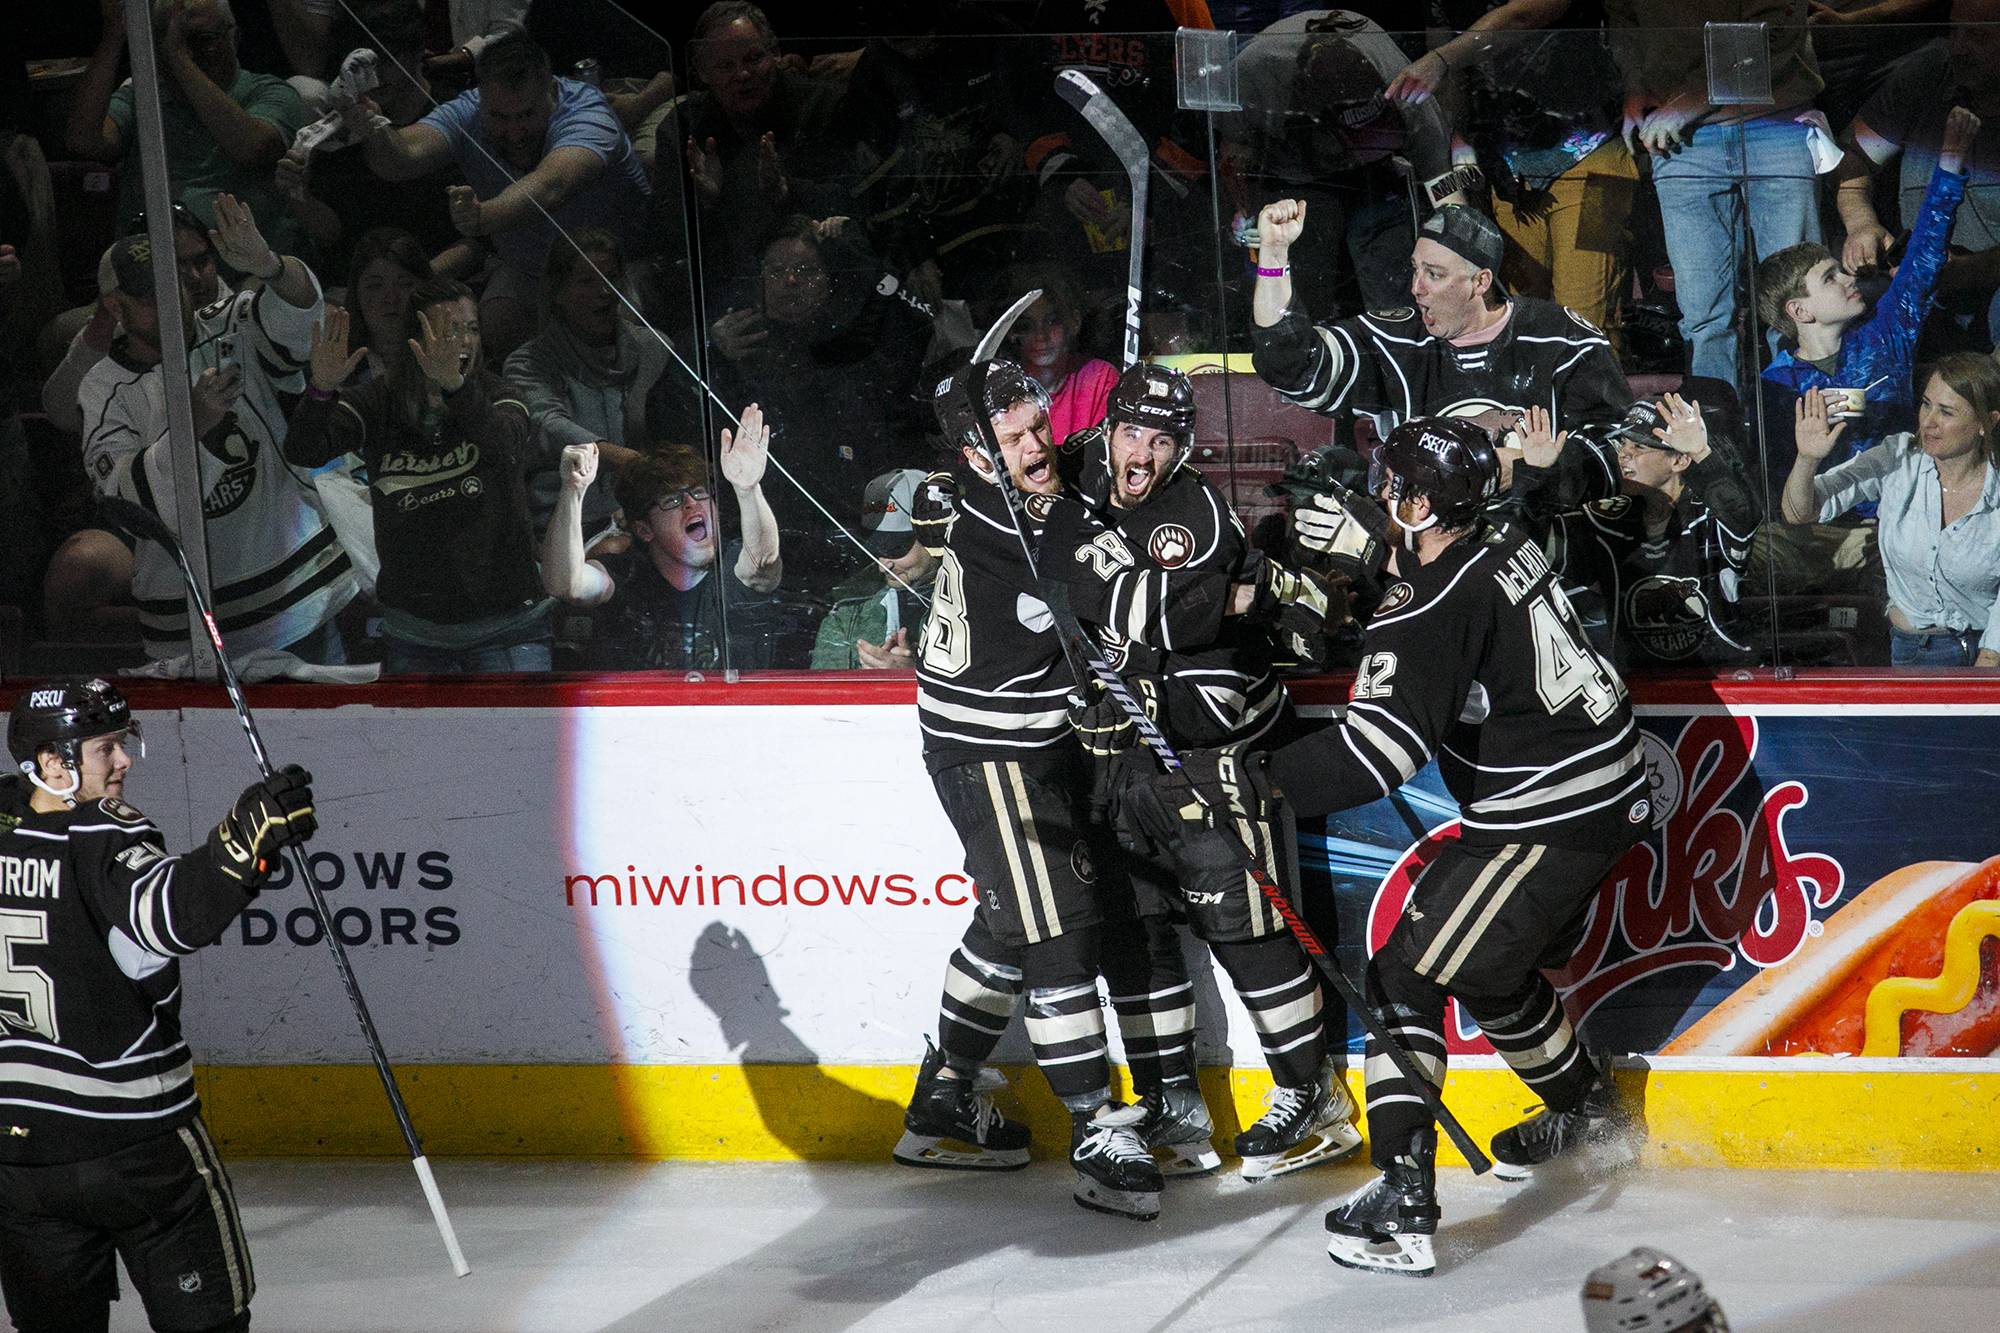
(1668, 616)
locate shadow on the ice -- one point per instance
(1599, 1169)
(816, 1116)
(1960, 1284)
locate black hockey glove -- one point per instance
(269, 815)
(1157, 811)
(1105, 732)
(1341, 532)
(933, 509)
(1298, 607)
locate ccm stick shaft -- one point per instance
(1115, 128)
(142, 523)
(1088, 664)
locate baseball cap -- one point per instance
(885, 512)
(1471, 235)
(132, 265)
(1641, 420)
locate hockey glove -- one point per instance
(1298, 606)
(1105, 732)
(269, 815)
(1339, 531)
(933, 509)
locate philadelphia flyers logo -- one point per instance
(1171, 545)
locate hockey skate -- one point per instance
(1548, 1133)
(1386, 1226)
(1301, 1127)
(1114, 1172)
(1176, 1131)
(953, 1125)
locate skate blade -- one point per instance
(1512, 1174)
(1326, 1145)
(1178, 1160)
(1140, 1206)
(1407, 1256)
(952, 1155)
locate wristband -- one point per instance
(319, 395)
(1284, 272)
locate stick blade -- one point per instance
(138, 520)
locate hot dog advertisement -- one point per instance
(1819, 885)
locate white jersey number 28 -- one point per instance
(1566, 666)
(948, 632)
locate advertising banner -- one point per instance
(776, 885)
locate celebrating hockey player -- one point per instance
(1053, 900)
(1474, 657)
(1157, 570)
(1466, 347)
(105, 1152)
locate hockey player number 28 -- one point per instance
(1566, 666)
(947, 634)
(27, 997)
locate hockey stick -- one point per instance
(1086, 663)
(1126, 144)
(144, 523)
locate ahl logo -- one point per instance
(1171, 545)
(191, 1282)
(1637, 814)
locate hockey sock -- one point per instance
(1065, 1020)
(1147, 975)
(1412, 1008)
(1534, 1037)
(1278, 987)
(982, 984)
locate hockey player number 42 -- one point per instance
(1566, 666)
(27, 996)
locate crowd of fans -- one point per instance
(447, 306)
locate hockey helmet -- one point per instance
(1649, 1292)
(1156, 397)
(62, 717)
(1444, 459)
(1006, 385)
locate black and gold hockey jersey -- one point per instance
(1387, 365)
(1152, 584)
(1478, 660)
(94, 913)
(991, 679)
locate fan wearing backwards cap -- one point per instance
(877, 616)
(1666, 552)
(1463, 347)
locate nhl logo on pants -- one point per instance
(191, 1282)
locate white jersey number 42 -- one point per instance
(1567, 668)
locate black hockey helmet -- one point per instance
(62, 717)
(1447, 460)
(1006, 385)
(1155, 397)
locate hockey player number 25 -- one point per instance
(948, 633)
(27, 996)
(1566, 666)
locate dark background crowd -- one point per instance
(817, 209)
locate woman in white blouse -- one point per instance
(1938, 498)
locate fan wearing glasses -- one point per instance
(679, 599)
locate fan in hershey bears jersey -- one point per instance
(1662, 557)
(1474, 657)
(1157, 565)
(104, 1152)
(280, 574)
(1054, 901)
(1465, 348)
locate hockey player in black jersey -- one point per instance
(1054, 903)
(1473, 657)
(1463, 348)
(1185, 610)
(103, 1149)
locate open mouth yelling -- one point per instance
(697, 527)
(1039, 471)
(1136, 480)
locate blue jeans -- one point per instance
(1704, 222)
(403, 658)
(1945, 650)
